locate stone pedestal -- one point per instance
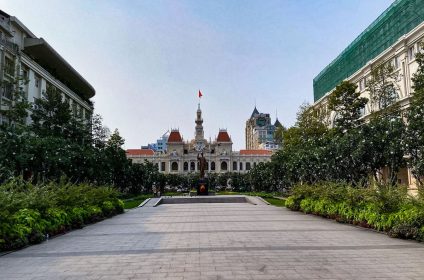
(202, 187)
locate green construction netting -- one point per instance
(400, 18)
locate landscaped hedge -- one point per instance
(383, 208)
(29, 213)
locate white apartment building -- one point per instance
(23, 55)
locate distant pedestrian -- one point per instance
(155, 191)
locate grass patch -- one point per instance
(276, 201)
(260, 194)
(228, 193)
(133, 202)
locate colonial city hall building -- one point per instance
(394, 37)
(181, 156)
(25, 57)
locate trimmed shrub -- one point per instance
(28, 213)
(383, 208)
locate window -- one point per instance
(7, 90)
(411, 53)
(25, 74)
(74, 108)
(396, 63)
(224, 165)
(9, 67)
(186, 166)
(235, 165)
(37, 81)
(419, 47)
(247, 165)
(81, 113)
(213, 165)
(254, 164)
(362, 111)
(362, 84)
(162, 166)
(241, 165)
(185, 151)
(192, 166)
(174, 166)
(390, 97)
(87, 116)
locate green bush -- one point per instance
(383, 208)
(28, 213)
(107, 208)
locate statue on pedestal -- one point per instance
(202, 188)
(202, 165)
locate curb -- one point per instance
(144, 202)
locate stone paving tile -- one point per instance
(217, 241)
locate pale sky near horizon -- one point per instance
(148, 59)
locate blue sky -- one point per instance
(148, 59)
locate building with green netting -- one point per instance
(396, 24)
(394, 37)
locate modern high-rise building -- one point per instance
(160, 145)
(31, 60)
(259, 131)
(394, 37)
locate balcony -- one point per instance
(12, 47)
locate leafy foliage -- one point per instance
(415, 129)
(383, 208)
(347, 104)
(29, 212)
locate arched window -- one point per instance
(247, 165)
(224, 165)
(174, 166)
(212, 165)
(185, 166)
(192, 166)
(234, 165)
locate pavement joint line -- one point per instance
(179, 216)
(208, 222)
(213, 249)
(208, 231)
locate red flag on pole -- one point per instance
(200, 94)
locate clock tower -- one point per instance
(199, 137)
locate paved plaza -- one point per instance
(217, 241)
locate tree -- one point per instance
(115, 140)
(385, 145)
(347, 104)
(15, 102)
(261, 177)
(116, 160)
(383, 89)
(99, 133)
(278, 135)
(52, 116)
(415, 128)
